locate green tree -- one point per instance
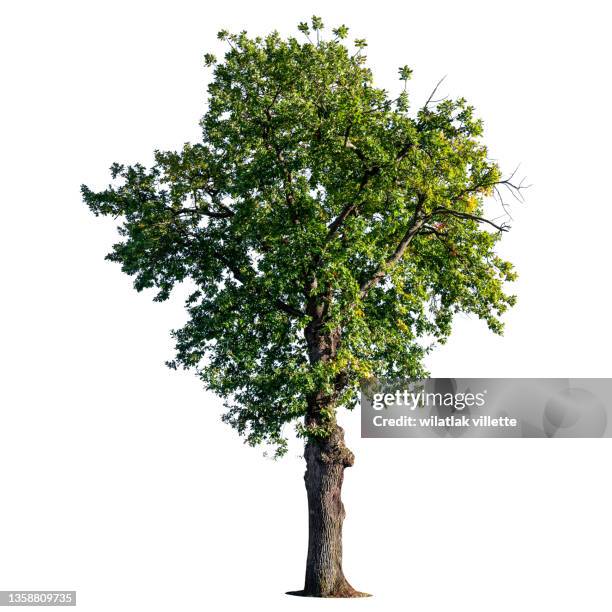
(327, 229)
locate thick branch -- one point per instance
(416, 224)
(244, 280)
(337, 223)
(248, 282)
(202, 211)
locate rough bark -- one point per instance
(326, 461)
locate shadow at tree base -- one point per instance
(343, 595)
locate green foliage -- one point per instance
(312, 196)
(209, 59)
(317, 23)
(341, 31)
(405, 73)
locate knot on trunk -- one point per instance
(326, 460)
(332, 449)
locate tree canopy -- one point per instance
(315, 202)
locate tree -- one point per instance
(327, 230)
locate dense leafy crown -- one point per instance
(314, 202)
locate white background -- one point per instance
(118, 479)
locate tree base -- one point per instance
(340, 595)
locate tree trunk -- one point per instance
(326, 459)
(325, 464)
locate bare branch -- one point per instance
(441, 210)
(433, 93)
(514, 188)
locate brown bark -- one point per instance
(326, 461)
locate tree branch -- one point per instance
(415, 225)
(433, 93)
(241, 278)
(203, 211)
(336, 224)
(247, 282)
(504, 227)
